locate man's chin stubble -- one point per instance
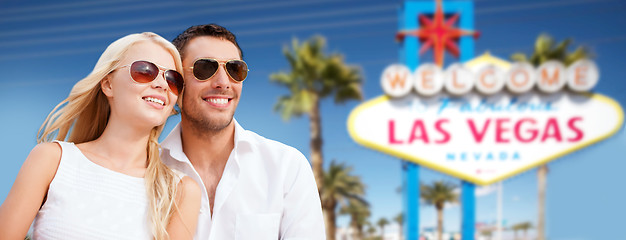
(202, 126)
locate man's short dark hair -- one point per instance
(210, 30)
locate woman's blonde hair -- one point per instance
(84, 114)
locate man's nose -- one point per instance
(221, 78)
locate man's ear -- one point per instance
(106, 87)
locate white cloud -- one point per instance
(485, 190)
(450, 205)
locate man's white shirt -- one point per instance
(267, 191)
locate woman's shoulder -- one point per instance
(189, 187)
(188, 182)
(43, 161)
(45, 152)
(185, 184)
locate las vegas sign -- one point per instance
(487, 119)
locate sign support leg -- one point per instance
(410, 185)
(468, 201)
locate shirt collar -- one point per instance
(241, 135)
(174, 144)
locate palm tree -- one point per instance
(370, 230)
(437, 195)
(399, 219)
(546, 50)
(524, 226)
(340, 186)
(515, 228)
(487, 233)
(358, 212)
(382, 222)
(314, 76)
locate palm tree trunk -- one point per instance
(316, 144)
(330, 219)
(542, 181)
(359, 232)
(400, 232)
(525, 234)
(355, 229)
(439, 223)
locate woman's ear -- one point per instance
(106, 87)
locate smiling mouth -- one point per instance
(154, 100)
(217, 101)
(220, 101)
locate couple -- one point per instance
(209, 179)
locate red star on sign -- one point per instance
(438, 33)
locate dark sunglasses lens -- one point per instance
(143, 72)
(204, 69)
(174, 81)
(237, 69)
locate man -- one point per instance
(253, 188)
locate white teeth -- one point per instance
(218, 100)
(155, 100)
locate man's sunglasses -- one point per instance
(205, 68)
(145, 72)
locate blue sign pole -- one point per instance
(409, 55)
(410, 185)
(468, 198)
(468, 201)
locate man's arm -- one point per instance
(302, 213)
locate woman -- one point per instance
(107, 181)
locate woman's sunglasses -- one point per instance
(205, 68)
(145, 72)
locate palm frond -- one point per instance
(341, 186)
(315, 75)
(438, 193)
(519, 57)
(545, 50)
(543, 44)
(580, 53)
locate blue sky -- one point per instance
(46, 47)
